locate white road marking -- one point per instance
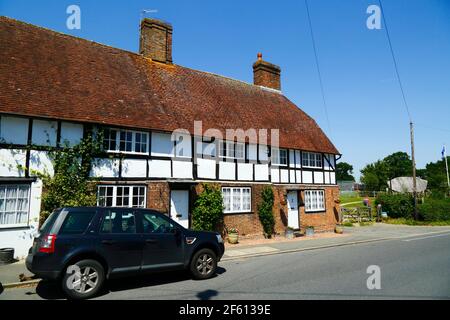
(433, 236)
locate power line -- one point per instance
(317, 65)
(395, 62)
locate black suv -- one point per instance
(83, 246)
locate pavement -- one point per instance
(9, 273)
(354, 237)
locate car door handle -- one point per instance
(151, 241)
(108, 242)
(179, 215)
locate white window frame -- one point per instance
(130, 194)
(312, 163)
(231, 152)
(276, 157)
(241, 200)
(311, 195)
(133, 141)
(3, 207)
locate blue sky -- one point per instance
(367, 117)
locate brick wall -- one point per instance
(158, 196)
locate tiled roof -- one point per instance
(48, 74)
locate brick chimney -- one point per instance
(266, 74)
(156, 40)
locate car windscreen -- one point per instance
(76, 222)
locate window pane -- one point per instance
(153, 223)
(226, 199)
(240, 151)
(119, 222)
(14, 204)
(236, 199)
(76, 222)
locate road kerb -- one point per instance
(20, 284)
(330, 246)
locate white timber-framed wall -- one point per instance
(25, 142)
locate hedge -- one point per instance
(435, 209)
(397, 205)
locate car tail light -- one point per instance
(48, 244)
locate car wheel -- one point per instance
(204, 264)
(83, 280)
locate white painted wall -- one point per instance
(44, 132)
(162, 145)
(10, 159)
(182, 169)
(245, 171)
(227, 170)
(21, 238)
(134, 168)
(159, 168)
(261, 172)
(298, 174)
(13, 130)
(333, 177)
(40, 162)
(108, 168)
(327, 177)
(318, 177)
(284, 175)
(72, 133)
(275, 175)
(183, 146)
(206, 168)
(307, 177)
(292, 176)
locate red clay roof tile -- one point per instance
(48, 74)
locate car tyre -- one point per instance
(85, 283)
(203, 264)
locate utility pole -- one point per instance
(444, 154)
(411, 129)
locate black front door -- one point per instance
(163, 245)
(119, 241)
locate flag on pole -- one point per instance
(443, 152)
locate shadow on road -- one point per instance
(52, 290)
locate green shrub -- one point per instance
(208, 209)
(434, 209)
(70, 185)
(397, 205)
(265, 211)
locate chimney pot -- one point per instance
(266, 74)
(156, 40)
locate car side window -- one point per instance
(118, 221)
(154, 223)
(76, 222)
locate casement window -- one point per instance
(311, 160)
(314, 200)
(121, 196)
(117, 140)
(14, 205)
(237, 199)
(279, 157)
(233, 150)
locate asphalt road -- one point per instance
(413, 268)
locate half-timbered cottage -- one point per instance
(161, 124)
